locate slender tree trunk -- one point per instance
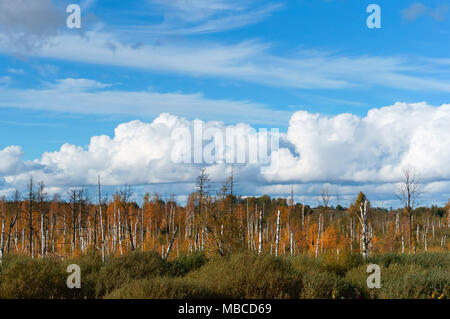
(277, 238)
(170, 245)
(403, 244)
(2, 240)
(292, 244)
(365, 230)
(102, 230)
(318, 235)
(260, 232)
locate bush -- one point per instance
(249, 276)
(403, 281)
(186, 263)
(26, 278)
(414, 281)
(425, 260)
(90, 266)
(162, 288)
(326, 285)
(124, 269)
(341, 264)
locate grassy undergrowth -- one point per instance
(244, 275)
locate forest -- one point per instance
(220, 245)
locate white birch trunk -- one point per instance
(318, 235)
(277, 238)
(2, 240)
(292, 244)
(260, 232)
(365, 229)
(403, 244)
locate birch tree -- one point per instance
(277, 238)
(31, 197)
(366, 237)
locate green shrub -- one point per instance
(162, 288)
(403, 281)
(326, 285)
(248, 276)
(121, 270)
(185, 264)
(414, 281)
(425, 260)
(90, 266)
(26, 278)
(341, 264)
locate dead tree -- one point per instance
(171, 244)
(125, 195)
(102, 230)
(277, 238)
(366, 237)
(325, 196)
(31, 197)
(2, 237)
(260, 232)
(41, 197)
(16, 209)
(408, 193)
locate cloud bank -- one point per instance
(345, 151)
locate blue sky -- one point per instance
(248, 61)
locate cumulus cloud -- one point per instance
(346, 148)
(348, 152)
(11, 162)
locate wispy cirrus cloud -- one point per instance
(5, 79)
(251, 61)
(207, 16)
(85, 96)
(16, 71)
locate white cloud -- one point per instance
(205, 16)
(16, 71)
(348, 152)
(250, 61)
(92, 97)
(77, 85)
(418, 9)
(5, 79)
(349, 149)
(11, 162)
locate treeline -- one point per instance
(216, 224)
